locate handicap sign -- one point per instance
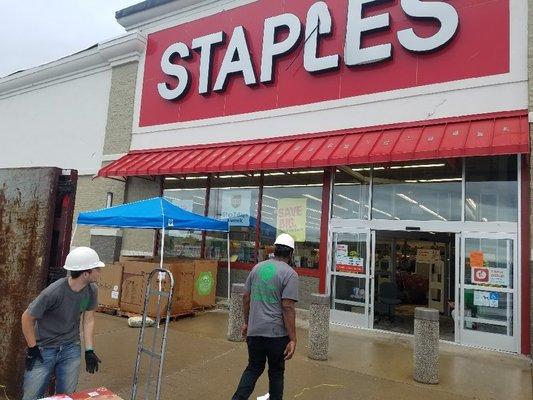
(494, 297)
(486, 299)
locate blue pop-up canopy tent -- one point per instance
(154, 213)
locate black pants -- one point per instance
(261, 349)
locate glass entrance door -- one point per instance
(488, 314)
(350, 280)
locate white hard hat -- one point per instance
(81, 259)
(285, 240)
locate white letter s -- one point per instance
(178, 71)
(443, 12)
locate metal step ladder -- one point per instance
(164, 277)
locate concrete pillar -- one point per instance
(236, 313)
(426, 351)
(318, 345)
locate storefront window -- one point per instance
(188, 194)
(351, 193)
(491, 189)
(292, 203)
(418, 191)
(234, 197)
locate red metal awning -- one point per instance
(483, 135)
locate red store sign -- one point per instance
(273, 54)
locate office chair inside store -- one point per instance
(387, 300)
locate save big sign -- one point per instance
(273, 53)
(292, 218)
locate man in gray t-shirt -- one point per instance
(51, 327)
(270, 294)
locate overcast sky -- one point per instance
(34, 32)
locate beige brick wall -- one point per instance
(140, 240)
(120, 110)
(91, 195)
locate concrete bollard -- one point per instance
(318, 345)
(236, 313)
(426, 351)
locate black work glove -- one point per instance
(91, 361)
(32, 354)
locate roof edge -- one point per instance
(124, 49)
(149, 10)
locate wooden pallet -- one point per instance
(184, 314)
(127, 314)
(204, 308)
(174, 317)
(107, 310)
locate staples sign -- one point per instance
(273, 54)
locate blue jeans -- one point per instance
(63, 362)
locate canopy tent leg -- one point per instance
(162, 247)
(161, 256)
(229, 272)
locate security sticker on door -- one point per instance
(486, 299)
(490, 276)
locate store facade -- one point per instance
(391, 139)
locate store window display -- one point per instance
(351, 192)
(292, 203)
(234, 197)
(418, 191)
(491, 189)
(189, 194)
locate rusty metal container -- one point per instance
(28, 200)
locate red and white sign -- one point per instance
(490, 276)
(352, 269)
(353, 265)
(101, 393)
(255, 57)
(480, 275)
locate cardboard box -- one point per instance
(183, 273)
(135, 281)
(205, 283)
(123, 259)
(93, 394)
(109, 285)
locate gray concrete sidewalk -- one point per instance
(202, 364)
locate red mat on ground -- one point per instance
(93, 394)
